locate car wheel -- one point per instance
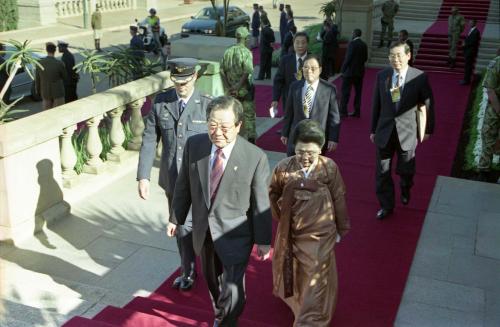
(34, 94)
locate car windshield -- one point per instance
(207, 13)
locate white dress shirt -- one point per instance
(297, 60)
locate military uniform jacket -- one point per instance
(492, 77)
(456, 24)
(389, 10)
(164, 123)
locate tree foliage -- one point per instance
(9, 15)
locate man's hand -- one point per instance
(144, 189)
(284, 140)
(426, 137)
(171, 229)
(372, 138)
(263, 251)
(331, 146)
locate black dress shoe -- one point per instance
(382, 213)
(188, 282)
(405, 196)
(354, 114)
(177, 282)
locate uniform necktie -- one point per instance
(216, 173)
(182, 106)
(308, 101)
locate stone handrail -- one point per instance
(68, 8)
(22, 134)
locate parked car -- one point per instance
(204, 21)
(22, 84)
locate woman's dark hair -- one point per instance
(226, 103)
(309, 131)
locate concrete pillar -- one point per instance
(358, 14)
(36, 12)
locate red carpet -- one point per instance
(373, 260)
(432, 54)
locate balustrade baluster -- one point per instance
(94, 147)
(68, 156)
(136, 125)
(116, 135)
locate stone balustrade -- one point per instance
(37, 156)
(68, 8)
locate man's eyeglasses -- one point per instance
(313, 69)
(224, 127)
(393, 56)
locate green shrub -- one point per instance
(9, 14)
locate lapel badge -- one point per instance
(235, 168)
(197, 101)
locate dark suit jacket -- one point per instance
(69, 62)
(266, 40)
(287, 44)
(283, 25)
(386, 115)
(325, 110)
(50, 80)
(355, 59)
(284, 76)
(471, 43)
(240, 213)
(255, 24)
(164, 122)
(330, 42)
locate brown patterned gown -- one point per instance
(311, 211)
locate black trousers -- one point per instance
(405, 168)
(469, 64)
(70, 93)
(347, 83)
(266, 59)
(328, 67)
(184, 239)
(225, 283)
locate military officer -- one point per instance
(177, 114)
(491, 124)
(456, 25)
(389, 10)
(236, 72)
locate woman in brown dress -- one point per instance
(307, 197)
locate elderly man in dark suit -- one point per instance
(312, 98)
(471, 47)
(49, 81)
(399, 92)
(224, 178)
(177, 113)
(290, 69)
(353, 71)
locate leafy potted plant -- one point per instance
(21, 57)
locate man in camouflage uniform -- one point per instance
(491, 124)
(456, 25)
(389, 10)
(236, 72)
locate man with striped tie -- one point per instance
(312, 98)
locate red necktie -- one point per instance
(216, 173)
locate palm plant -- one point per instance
(93, 63)
(226, 8)
(22, 56)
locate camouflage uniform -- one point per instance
(238, 60)
(389, 10)
(456, 25)
(491, 124)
